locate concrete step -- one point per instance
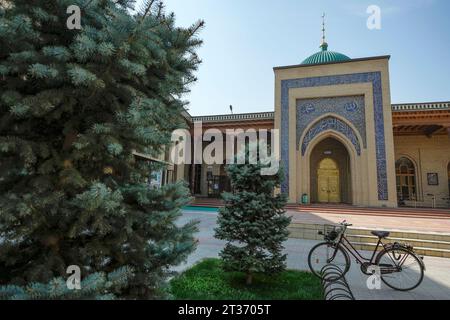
(392, 212)
(205, 202)
(345, 208)
(424, 243)
(401, 234)
(421, 251)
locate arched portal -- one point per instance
(330, 173)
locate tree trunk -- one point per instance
(249, 279)
(69, 139)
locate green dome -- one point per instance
(325, 56)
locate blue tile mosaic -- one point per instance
(351, 108)
(369, 77)
(331, 123)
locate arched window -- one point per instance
(406, 179)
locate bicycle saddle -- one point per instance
(381, 234)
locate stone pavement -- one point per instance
(436, 284)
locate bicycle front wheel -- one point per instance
(401, 269)
(325, 254)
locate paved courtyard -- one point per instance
(388, 222)
(436, 284)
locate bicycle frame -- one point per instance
(343, 241)
(349, 248)
(397, 253)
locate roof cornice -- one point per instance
(270, 115)
(255, 116)
(333, 62)
(425, 106)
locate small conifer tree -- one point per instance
(253, 221)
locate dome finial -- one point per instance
(324, 45)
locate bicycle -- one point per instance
(399, 266)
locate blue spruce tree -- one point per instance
(253, 221)
(74, 106)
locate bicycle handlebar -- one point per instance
(345, 224)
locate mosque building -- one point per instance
(341, 139)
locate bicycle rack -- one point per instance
(335, 289)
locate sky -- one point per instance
(245, 39)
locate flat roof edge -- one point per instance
(334, 62)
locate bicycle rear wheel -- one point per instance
(325, 254)
(401, 269)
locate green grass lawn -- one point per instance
(207, 281)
